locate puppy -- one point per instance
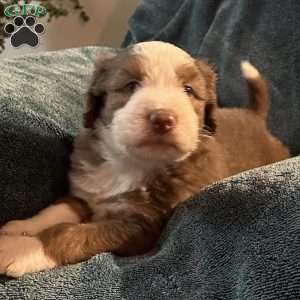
(153, 136)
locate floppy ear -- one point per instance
(210, 77)
(210, 124)
(95, 99)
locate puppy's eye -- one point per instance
(189, 90)
(131, 86)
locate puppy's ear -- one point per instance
(210, 77)
(210, 125)
(96, 94)
(211, 95)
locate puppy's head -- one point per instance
(152, 101)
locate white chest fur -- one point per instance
(105, 181)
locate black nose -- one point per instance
(162, 120)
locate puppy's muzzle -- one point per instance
(162, 121)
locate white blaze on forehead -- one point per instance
(161, 59)
(156, 48)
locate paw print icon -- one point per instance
(24, 31)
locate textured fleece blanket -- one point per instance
(238, 239)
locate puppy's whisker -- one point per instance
(206, 133)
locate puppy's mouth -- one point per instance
(158, 149)
(158, 143)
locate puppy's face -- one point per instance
(151, 102)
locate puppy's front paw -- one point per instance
(20, 227)
(20, 255)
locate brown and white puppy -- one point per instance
(153, 136)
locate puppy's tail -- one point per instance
(259, 100)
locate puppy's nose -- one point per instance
(162, 120)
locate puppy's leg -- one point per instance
(22, 254)
(66, 210)
(71, 243)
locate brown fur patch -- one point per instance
(79, 206)
(188, 73)
(210, 78)
(111, 77)
(122, 233)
